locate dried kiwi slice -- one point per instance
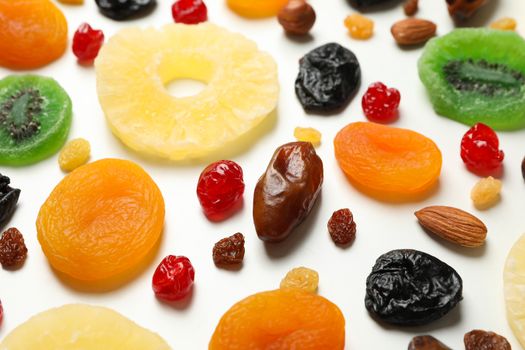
(35, 117)
(477, 75)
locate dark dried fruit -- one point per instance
(286, 193)
(328, 77)
(426, 342)
(13, 251)
(410, 288)
(482, 340)
(367, 3)
(124, 9)
(341, 227)
(8, 200)
(463, 9)
(523, 168)
(229, 250)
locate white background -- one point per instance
(381, 226)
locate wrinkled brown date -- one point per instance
(463, 9)
(426, 342)
(286, 193)
(482, 340)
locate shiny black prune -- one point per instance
(124, 9)
(411, 288)
(328, 78)
(8, 200)
(367, 3)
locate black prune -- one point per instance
(367, 3)
(8, 200)
(328, 77)
(410, 288)
(124, 9)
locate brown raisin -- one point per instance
(229, 251)
(13, 251)
(482, 340)
(411, 7)
(341, 227)
(426, 342)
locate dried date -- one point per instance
(482, 340)
(8, 200)
(229, 250)
(287, 191)
(426, 342)
(13, 251)
(461, 10)
(410, 288)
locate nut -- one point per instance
(413, 31)
(297, 17)
(454, 225)
(411, 7)
(463, 9)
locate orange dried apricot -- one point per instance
(281, 320)
(386, 162)
(33, 33)
(101, 220)
(256, 8)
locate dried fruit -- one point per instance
(173, 278)
(411, 7)
(229, 250)
(8, 200)
(287, 191)
(486, 193)
(308, 135)
(328, 77)
(505, 23)
(341, 227)
(482, 340)
(380, 104)
(480, 149)
(462, 9)
(469, 81)
(301, 278)
(13, 250)
(388, 163)
(101, 221)
(220, 189)
(413, 31)
(1, 313)
(72, 2)
(522, 169)
(256, 8)
(359, 26)
(281, 319)
(125, 9)
(297, 17)
(454, 225)
(411, 288)
(87, 42)
(367, 3)
(426, 342)
(35, 117)
(189, 11)
(514, 288)
(74, 154)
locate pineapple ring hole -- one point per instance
(183, 75)
(184, 87)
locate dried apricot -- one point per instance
(256, 8)
(386, 162)
(33, 33)
(281, 320)
(101, 220)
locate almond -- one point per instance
(413, 31)
(454, 225)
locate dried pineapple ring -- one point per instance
(134, 66)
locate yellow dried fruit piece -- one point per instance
(72, 2)
(301, 278)
(359, 26)
(308, 135)
(74, 154)
(514, 289)
(486, 193)
(505, 23)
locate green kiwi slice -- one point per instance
(35, 118)
(477, 75)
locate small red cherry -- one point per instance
(380, 104)
(87, 42)
(173, 278)
(480, 149)
(189, 11)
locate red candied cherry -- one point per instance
(189, 11)
(480, 149)
(220, 189)
(173, 278)
(380, 103)
(1, 313)
(87, 42)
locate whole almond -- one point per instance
(413, 31)
(454, 225)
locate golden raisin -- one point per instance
(308, 135)
(74, 154)
(301, 278)
(505, 23)
(359, 27)
(486, 193)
